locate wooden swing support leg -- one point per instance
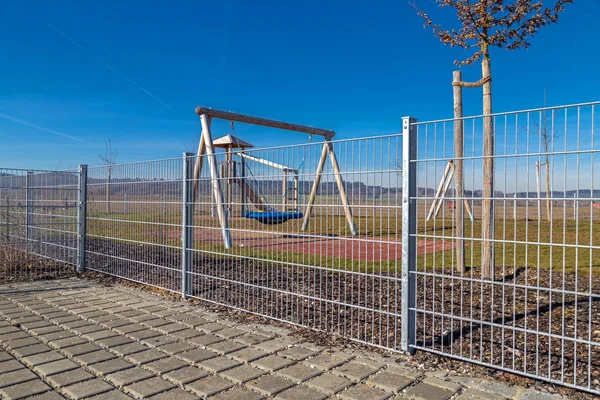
(441, 193)
(328, 150)
(206, 147)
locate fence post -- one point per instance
(81, 217)
(187, 221)
(28, 211)
(409, 230)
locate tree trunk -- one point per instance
(108, 191)
(458, 172)
(548, 189)
(488, 170)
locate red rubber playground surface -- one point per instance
(355, 248)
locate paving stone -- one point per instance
(496, 388)
(229, 333)
(49, 337)
(364, 392)
(174, 394)
(209, 386)
(154, 322)
(326, 361)
(145, 356)
(176, 348)
(145, 317)
(13, 336)
(158, 341)
(474, 394)
(31, 350)
(47, 396)
(85, 389)
(80, 349)
(238, 393)
(69, 377)
(170, 328)
(4, 356)
(185, 375)
(270, 385)
(78, 323)
(45, 330)
(113, 341)
(165, 365)
(145, 334)
(355, 371)
(55, 367)
(147, 388)
(102, 334)
(10, 365)
(532, 394)
(225, 347)
(126, 329)
(193, 322)
(187, 333)
(15, 344)
(94, 357)
(299, 372)
(425, 391)
(16, 377)
(205, 340)
(197, 355)
(117, 323)
(390, 381)
(110, 366)
(180, 317)
(247, 354)
(329, 383)
(65, 319)
(218, 364)
(67, 342)
(129, 348)
(128, 376)
(212, 327)
(112, 395)
(43, 358)
(272, 363)
(297, 353)
(25, 389)
(447, 385)
(301, 392)
(243, 373)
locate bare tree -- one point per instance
(544, 127)
(109, 158)
(485, 24)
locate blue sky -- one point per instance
(343, 65)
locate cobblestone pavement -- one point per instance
(77, 339)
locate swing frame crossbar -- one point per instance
(206, 148)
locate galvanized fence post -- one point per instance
(28, 210)
(409, 230)
(187, 221)
(81, 216)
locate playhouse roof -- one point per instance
(231, 141)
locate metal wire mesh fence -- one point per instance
(538, 313)
(38, 224)
(368, 238)
(328, 267)
(134, 221)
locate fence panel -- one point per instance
(322, 277)
(134, 222)
(539, 312)
(38, 224)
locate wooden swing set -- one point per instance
(206, 149)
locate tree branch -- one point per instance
(479, 83)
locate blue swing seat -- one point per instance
(273, 217)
